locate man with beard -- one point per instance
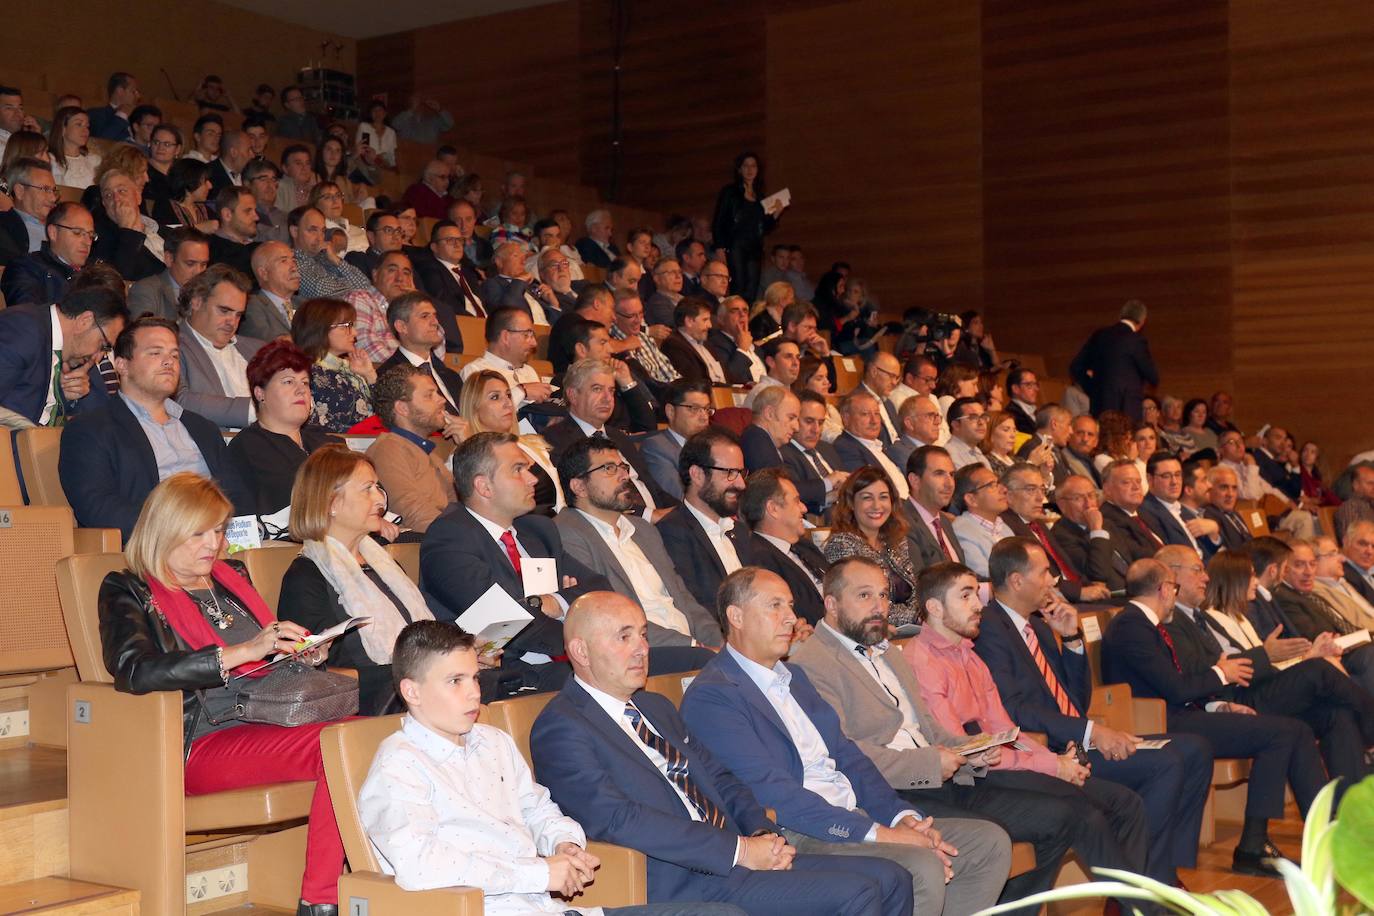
(701, 535)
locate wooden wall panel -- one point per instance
(1105, 177)
(874, 122)
(1303, 214)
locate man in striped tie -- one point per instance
(622, 762)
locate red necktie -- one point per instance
(1169, 643)
(469, 296)
(1061, 697)
(1043, 537)
(1140, 523)
(940, 539)
(508, 541)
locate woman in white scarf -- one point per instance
(336, 505)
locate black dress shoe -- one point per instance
(317, 909)
(1252, 863)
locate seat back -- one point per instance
(10, 492)
(38, 451)
(516, 717)
(672, 686)
(474, 334)
(78, 587)
(1113, 707)
(735, 419)
(1092, 639)
(266, 565)
(32, 634)
(1253, 516)
(407, 556)
(348, 750)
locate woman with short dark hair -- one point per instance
(341, 377)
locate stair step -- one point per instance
(53, 896)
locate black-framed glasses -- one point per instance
(389, 230)
(697, 408)
(730, 473)
(105, 345)
(973, 417)
(50, 191)
(983, 486)
(79, 233)
(610, 469)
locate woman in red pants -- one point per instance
(180, 618)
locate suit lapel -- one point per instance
(857, 673)
(611, 731)
(133, 431)
(703, 542)
(746, 688)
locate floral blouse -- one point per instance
(901, 576)
(342, 397)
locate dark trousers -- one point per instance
(743, 261)
(1109, 829)
(1282, 751)
(1360, 663)
(1041, 819)
(818, 885)
(1172, 782)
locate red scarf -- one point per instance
(184, 615)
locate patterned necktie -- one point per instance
(1043, 537)
(58, 415)
(816, 461)
(469, 297)
(1061, 696)
(809, 564)
(1337, 620)
(677, 768)
(508, 541)
(940, 539)
(1169, 644)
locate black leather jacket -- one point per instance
(144, 653)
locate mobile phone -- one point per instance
(367, 138)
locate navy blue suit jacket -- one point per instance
(742, 729)
(1163, 523)
(108, 468)
(1025, 694)
(1134, 653)
(760, 452)
(1114, 367)
(605, 782)
(26, 364)
(593, 254)
(804, 473)
(39, 278)
(693, 556)
(459, 561)
(107, 124)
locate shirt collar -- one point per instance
(615, 708)
(714, 529)
(56, 331)
(1018, 620)
(434, 745)
(426, 444)
(937, 643)
(764, 678)
(172, 407)
(680, 440)
(852, 646)
(775, 541)
(926, 515)
(208, 344)
(1264, 593)
(415, 359)
(491, 527)
(28, 217)
(499, 362)
(619, 532)
(1028, 408)
(587, 428)
(1149, 614)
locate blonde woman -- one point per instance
(487, 406)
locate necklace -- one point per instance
(221, 618)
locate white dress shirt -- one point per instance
(51, 402)
(516, 376)
(648, 584)
(441, 815)
(875, 449)
(874, 662)
(716, 534)
(1176, 510)
(415, 359)
(231, 369)
(1019, 624)
(649, 507)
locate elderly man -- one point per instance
(882, 372)
(556, 272)
(689, 411)
(1223, 490)
(510, 344)
(1311, 618)
(918, 422)
(263, 178)
(1081, 535)
(1053, 426)
(271, 308)
(686, 347)
(732, 344)
(1026, 516)
(186, 254)
(429, 195)
(548, 236)
(1077, 455)
(667, 294)
(214, 357)
(861, 442)
(1253, 486)
(1360, 505)
(810, 458)
(596, 246)
(1331, 585)
(968, 426)
(34, 193)
(511, 285)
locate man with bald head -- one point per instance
(271, 308)
(882, 373)
(510, 285)
(861, 443)
(234, 153)
(918, 422)
(1082, 536)
(777, 418)
(1223, 489)
(622, 762)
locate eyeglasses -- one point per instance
(331, 197)
(79, 233)
(164, 144)
(667, 273)
(1029, 488)
(715, 276)
(1168, 475)
(272, 178)
(341, 324)
(610, 469)
(983, 486)
(50, 191)
(974, 417)
(887, 372)
(105, 345)
(730, 473)
(525, 332)
(389, 230)
(447, 240)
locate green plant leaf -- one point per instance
(1352, 846)
(1301, 892)
(1318, 816)
(1241, 903)
(1084, 891)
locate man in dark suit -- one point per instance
(809, 458)
(691, 254)
(1278, 468)
(1077, 455)
(861, 444)
(29, 352)
(186, 254)
(1047, 688)
(1023, 395)
(1122, 493)
(111, 121)
(1026, 515)
(732, 344)
(1222, 492)
(918, 424)
(237, 212)
(212, 305)
(930, 534)
(42, 277)
(689, 411)
(882, 374)
(590, 389)
(414, 321)
(383, 232)
(1081, 535)
(780, 541)
(1311, 690)
(597, 747)
(702, 536)
(33, 191)
(1358, 547)
(777, 417)
(270, 310)
(1115, 365)
(449, 276)
(596, 247)
(227, 169)
(1138, 650)
(686, 347)
(109, 462)
(511, 285)
(486, 539)
(745, 705)
(1311, 617)
(1165, 514)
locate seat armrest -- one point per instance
(384, 898)
(620, 881)
(1149, 716)
(96, 540)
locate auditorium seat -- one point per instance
(408, 557)
(32, 635)
(735, 419)
(69, 195)
(1253, 516)
(11, 494)
(474, 334)
(267, 565)
(38, 451)
(144, 792)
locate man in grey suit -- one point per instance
(918, 421)
(187, 253)
(930, 534)
(628, 551)
(214, 360)
(689, 411)
(271, 308)
(878, 699)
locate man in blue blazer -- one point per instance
(622, 763)
(1172, 781)
(31, 335)
(765, 721)
(777, 417)
(1165, 514)
(484, 538)
(688, 409)
(112, 457)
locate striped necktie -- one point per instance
(677, 768)
(1061, 696)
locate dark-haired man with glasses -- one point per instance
(686, 347)
(968, 425)
(34, 193)
(1025, 516)
(599, 531)
(688, 410)
(41, 278)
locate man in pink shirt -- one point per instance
(961, 694)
